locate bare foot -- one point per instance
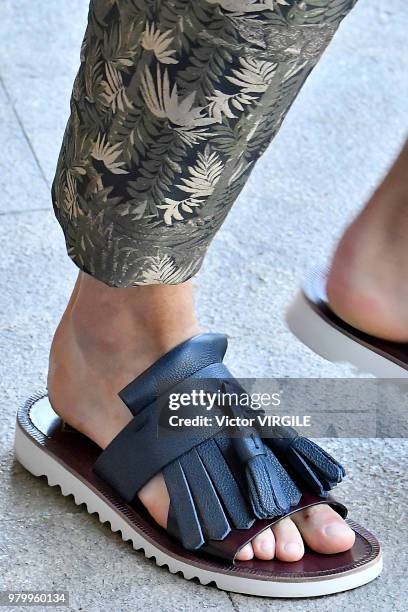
(366, 286)
(109, 336)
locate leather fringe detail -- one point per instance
(306, 460)
(214, 522)
(226, 485)
(206, 499)
(270, 489)
(185, 514)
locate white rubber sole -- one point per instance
(40, 463)
(328, 342)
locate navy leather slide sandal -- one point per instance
(312, 321)
(223, 490)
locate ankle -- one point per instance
(111, 320)
(118, 333)
(105, 339)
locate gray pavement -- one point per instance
(339, 138)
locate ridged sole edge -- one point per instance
(40, 463)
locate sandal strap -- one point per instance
(216, 484)
(146, 446)
(205, 477)
(173, 368)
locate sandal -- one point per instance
(312, 321)
(223, 490)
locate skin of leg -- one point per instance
(112, 335)
(364, 284)
(94, 356)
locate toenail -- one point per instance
(267, 546)
(336, 529)
(292, 548)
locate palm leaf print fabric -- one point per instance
(174, 102)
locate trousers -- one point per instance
(173, 104)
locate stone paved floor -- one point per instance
(342, 132)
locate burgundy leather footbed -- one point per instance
(78, 454)
(314, 290)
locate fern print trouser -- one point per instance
(174, 102)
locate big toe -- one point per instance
(324, 530)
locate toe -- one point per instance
(320, 527)
(246, 553)
(324, 530)
(264, 545)
(289, 544)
